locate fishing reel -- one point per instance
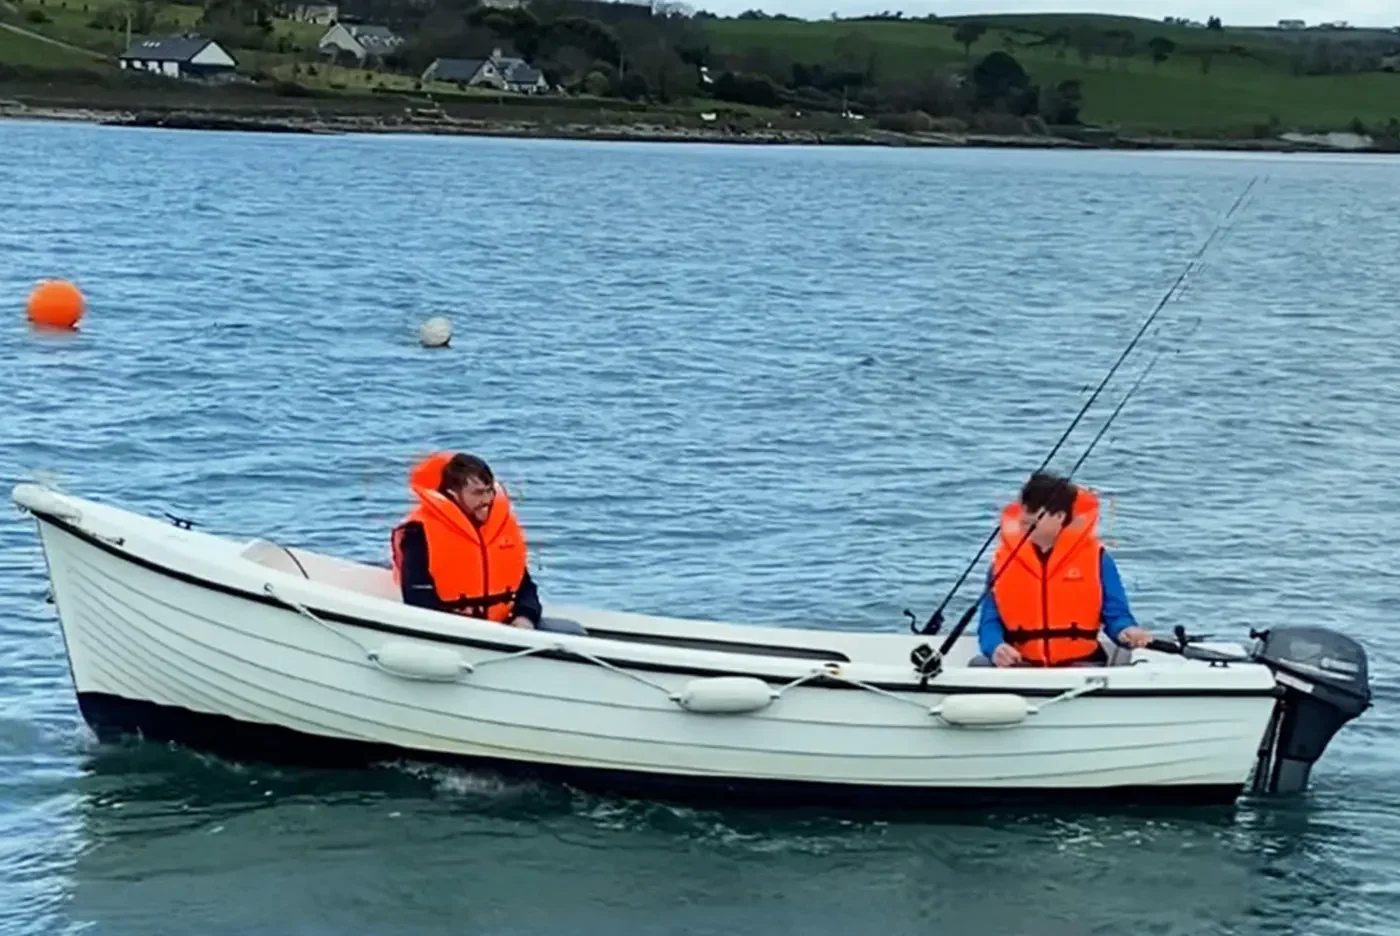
(927, 661)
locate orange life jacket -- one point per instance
(476, 572)
(1052, 610)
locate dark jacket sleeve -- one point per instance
(527, 601)
(416, 580)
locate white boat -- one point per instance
(261, 651)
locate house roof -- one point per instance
(167, 49)
(447, 69)
(518, 71)
(374, 37)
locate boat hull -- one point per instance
(114, 718)
(169, 639)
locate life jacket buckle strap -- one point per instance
(1015, 636)
(479, 606)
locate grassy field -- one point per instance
(70, 21)
(1252, 85)
(20, 49)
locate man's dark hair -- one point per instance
(1049, 492)
(463, 468)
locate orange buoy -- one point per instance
(56, 304)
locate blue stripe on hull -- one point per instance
(112, 716)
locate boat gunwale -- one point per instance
(915, 684)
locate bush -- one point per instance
(997, 79)
(1000, 124)
(756, 90)
(596, 84)
(38, 17)
(949, 125)
(908, 122)
(284, 88)
(1060, 105)
(632, 87)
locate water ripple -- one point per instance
(785, 386)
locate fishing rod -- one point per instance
(966, 617)
(935, 620)
(996, 574)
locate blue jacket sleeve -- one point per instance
(990, 631)
(1117, 615)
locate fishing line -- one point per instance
(1103, 429)
(935, 620)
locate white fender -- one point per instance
(420, 661)
(725, 694)
(39, 499)
(983, 710)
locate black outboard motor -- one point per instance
(1323, 684)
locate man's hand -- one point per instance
(523, 623)
(1006, 655)
(1137, 637)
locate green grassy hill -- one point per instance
(1214, 81)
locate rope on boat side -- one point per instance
(458, 665)
(833, 672)
(610, 666)
(720, 694)
(1091, 684)
(446, 668)
(305, 612)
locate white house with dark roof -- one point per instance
(362, 40)
(318, 12)
(503, 72)
(463, 71)
(180, 56)
(520, 76)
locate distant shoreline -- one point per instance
(214, 118)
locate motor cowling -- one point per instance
(1324, 682)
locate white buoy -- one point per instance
(435, 332)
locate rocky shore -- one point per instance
(431, 122)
